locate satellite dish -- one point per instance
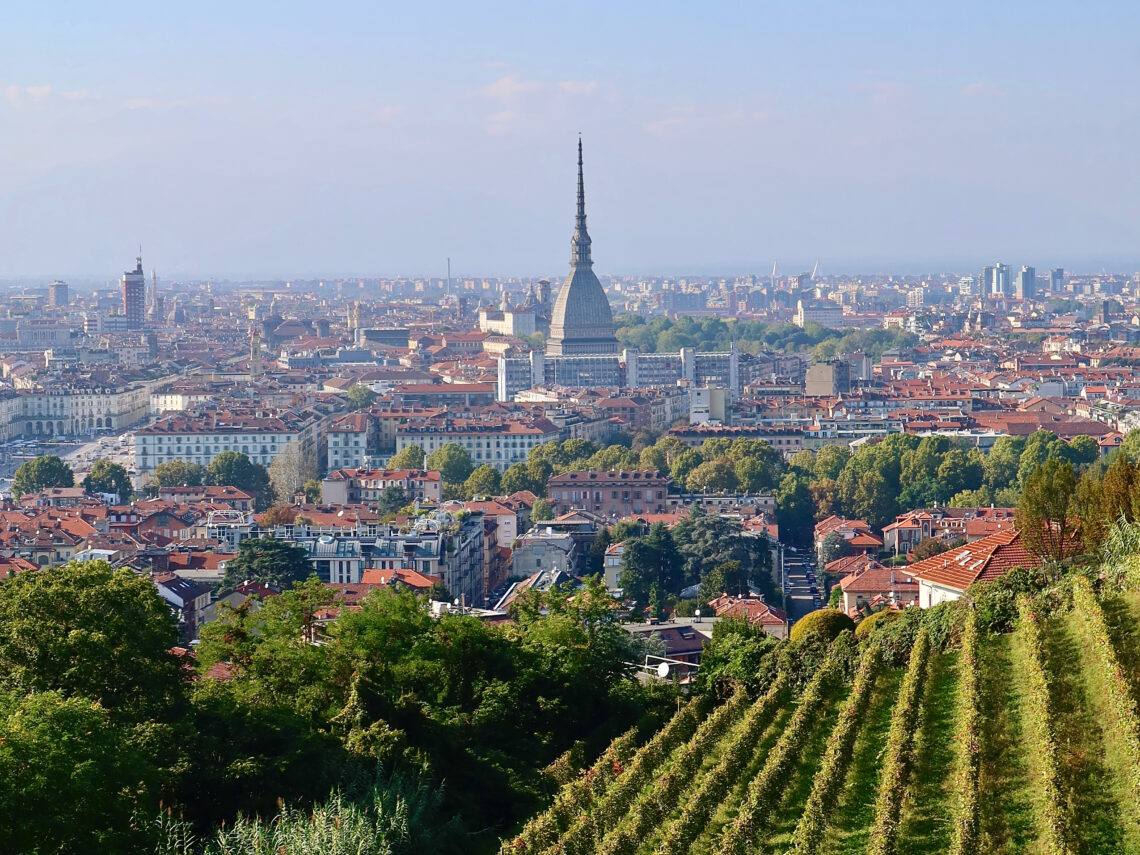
(663, 670)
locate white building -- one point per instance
(499, 442)
(199, 439)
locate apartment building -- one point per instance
(353, 486)
(613, 493)
(260, 434)
(499, 442)
(348, 437)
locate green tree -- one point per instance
(483, 481)
(542, 510)
(360, 396)
(107, 477)
(180, 473)
(522, 477)
(832, 548)
(392, 499)
(1083, 451)
(1002, 462)
(683, 464)
(726, 578)
(79, 768)
(409, 457)
(1045, 513)
(613, 457)
(928, 547)
(873, 500)
(45, 471)
(313, 492)
(830, 460)
(452, 461)
(272, 562)
(234, 469)
(89, 631)
(795, 511)
(739, 654)
(715, 476)
(1040, 446)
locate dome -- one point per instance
(582, 321)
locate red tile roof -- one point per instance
(980, 561)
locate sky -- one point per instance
(257, 140)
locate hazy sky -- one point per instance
(258, 139)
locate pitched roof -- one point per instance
(980, 561)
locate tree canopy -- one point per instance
(360, 396)
(409, 457)
(234, 469)
(45, 471)
(86, 630)
(277, 563)
(180, 473)
(452, 461)
(107, 477)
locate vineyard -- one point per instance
(982, 743)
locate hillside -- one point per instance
(994, 743)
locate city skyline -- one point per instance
(721, 139)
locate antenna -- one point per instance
(449, 276)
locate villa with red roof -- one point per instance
(945, 577)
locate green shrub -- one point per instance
(878, 619)
(825, 623)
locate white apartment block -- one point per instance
(348, 441)
(69, 410)
(499, 443)
(199, 439)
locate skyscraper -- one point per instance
(582, 321)
(134, 296)
(1026, 284)
(1001, 280)
(1056, 280)
(986, 285)
(57, 294)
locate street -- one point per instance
(799, 569)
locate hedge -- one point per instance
(662, 795)
(826, 623)
(572, 799)
(590, 827)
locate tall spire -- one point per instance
(580, 243)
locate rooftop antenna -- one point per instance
(449, 276)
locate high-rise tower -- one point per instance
(134, 295)
(582, 321)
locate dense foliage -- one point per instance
(91, 690)
(44, 471)
(662, 335)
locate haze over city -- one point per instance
(290, 140)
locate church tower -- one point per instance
(582, 322)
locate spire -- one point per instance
(580, 244)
